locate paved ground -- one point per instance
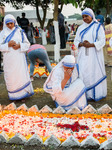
(50, 47)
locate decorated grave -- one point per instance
(40, 71)
(73, 128)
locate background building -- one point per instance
(31, 15)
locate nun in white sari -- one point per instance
(65, 86)
(90, 40)
(13, 45)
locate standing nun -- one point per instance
(90, 40)
(13, 45)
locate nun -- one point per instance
(13, 45)
(65, 86)
(90, 40)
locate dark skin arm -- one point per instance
(86, 44)
(16, 46)
(67, 75)
(13, 45)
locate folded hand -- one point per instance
(11, 43)
(16, 46)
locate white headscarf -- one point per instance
(88, 11)
(6, 31)
(9, 17)
(68, 60)
(86, 26)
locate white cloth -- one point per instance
(15, 65)
(73, 93)
(91, 66)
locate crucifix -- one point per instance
(86, 51)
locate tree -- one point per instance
(43, 4)
(57, 38)
(96, 4)
(56, 6)
(107, 4)
(1, 15)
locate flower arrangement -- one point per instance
(39, 90)
(75, 127)
(61, 125)
(41, 70)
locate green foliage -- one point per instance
(19, 4)
(94, 4)
(73, 2)
(1, 17)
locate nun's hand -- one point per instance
(67, 73)
(11, 43)
(87, 44)
(16, 46)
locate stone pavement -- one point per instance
(50, 51)
(50, 47)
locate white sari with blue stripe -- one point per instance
(16, 72)
(91, 66)
(73, 94)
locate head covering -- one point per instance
(68, 59)
(10, 21)
(9, 18)
(9, 33)
(88, 11)
(87, 26)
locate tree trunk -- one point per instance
(56, 28)
(108, 9)
(92, 3)
(57, 45)
(42, 21)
